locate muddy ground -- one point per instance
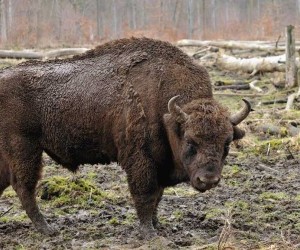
(256, 205)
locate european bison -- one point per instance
(140, 102)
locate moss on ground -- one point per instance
(62, 190)
(21, 217)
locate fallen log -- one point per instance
(28, 54)
(234, 86)
(20, 54)
(227, 82)
(238, 94)
(293, 130)
(203, 52)
(265, 64)
(270, 129)
(274, 101)
(250, 45)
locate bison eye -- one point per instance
(191, 149)
(226, 149)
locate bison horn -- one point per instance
(176, 111)
(242, 114)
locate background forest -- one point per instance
(52, 23)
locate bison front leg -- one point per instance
(155, 220)
(142, 181)
(145, 205)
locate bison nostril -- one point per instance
(216, 180)
(201, 179)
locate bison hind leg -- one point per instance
(25, 161)
(4, 175)
(71, 167)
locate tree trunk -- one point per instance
(190, 19)
(3, 22)
(291, 70)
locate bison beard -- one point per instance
(118, 102)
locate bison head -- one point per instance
(199, 136)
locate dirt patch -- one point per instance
(261, 207)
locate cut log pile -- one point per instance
(238, 56)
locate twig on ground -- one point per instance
(290, 154)
(252, 86)
(266, 168)
(291, 99)
(268, 151)
(5, 212)
(277, 41)
(226, 231)
(286, 240)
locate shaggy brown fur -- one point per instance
(110, 104)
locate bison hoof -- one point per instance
(47, 230)
(147, 233)
(155, 222)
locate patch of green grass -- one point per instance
(270, 216)
(237, 205)
(20, 247)
(230, 171)
(297, 227)
(180, 191)
(9, 193)
(232, 183)
(273, 196)
(291, 115)
(163, 220)
(130, 219)
(232, 103)
(276, 147)
(213, 213)
(19, 217)
(178, 214)
(114, 221)
(92, 175)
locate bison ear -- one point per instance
(238, 133)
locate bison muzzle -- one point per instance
(140, 102)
